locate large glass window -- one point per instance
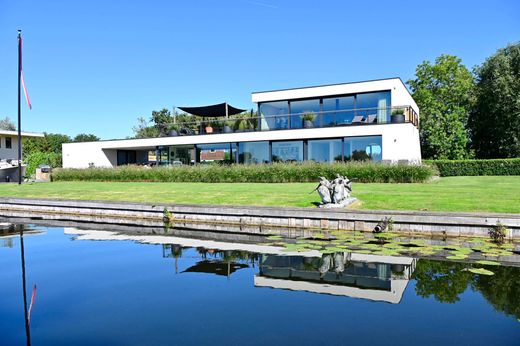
(126, 157)
(363, 148)
(8, 143)
(253, 152)
(274, 115)
(324, 150)
(290, 151)
(163, 156)
(218, 153)
(338, 110)
(181, 155)
(374, 107)
(305, 110)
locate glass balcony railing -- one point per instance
(324, 119)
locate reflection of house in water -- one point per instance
(380, 278)
(10, 231)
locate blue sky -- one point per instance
(95, 66)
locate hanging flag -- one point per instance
(33, 298)
(23, 80)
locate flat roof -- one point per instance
(24, 134)
(328, 85)
(395, 85)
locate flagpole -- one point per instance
(19, 108)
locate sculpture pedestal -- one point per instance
(343, 204)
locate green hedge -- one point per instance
(267, 173)
(450, 168)
(37, 158)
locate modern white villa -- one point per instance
(370, 120)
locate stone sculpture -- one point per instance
(335, 193)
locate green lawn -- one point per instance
(492, 194)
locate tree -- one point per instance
(49, 143)
(84, 137)
(443, 92)
(495, 120)
(7, 124)
(162, 120)
(144, 130)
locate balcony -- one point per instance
(325, 119)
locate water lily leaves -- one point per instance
(480, 271)
(456, 257)
(491, 263)
(335, 249)
(387, 235)
(274, 237)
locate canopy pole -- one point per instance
(227, 111)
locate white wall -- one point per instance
(79, 155)
(9, 153)
(400, 142)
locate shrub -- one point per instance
(449, 168)
(37, 158)
(498, 233)
(365, 172)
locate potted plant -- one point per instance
(397, 115)
(227, 127)
(209, 127)
(173, 130)
(308, 119)
(243, 125)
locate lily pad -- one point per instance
(491, 263)
(274, 237)
(456, 257)
(480, 271)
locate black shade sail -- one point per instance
(215, 267)
(218, 110)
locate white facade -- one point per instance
(399, 141)
(9, 143)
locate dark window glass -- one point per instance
(363, 148)
(8, 143)
(126, 157)
(324, 150)
(374, 107)
(290, 151)
(253, 152)
(338, 110)
(181, 155)
(163, 155)
(274, 115)
(221, 152)
(300, 108)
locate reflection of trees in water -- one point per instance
(502, 290)
(228, 255)
(445, 281)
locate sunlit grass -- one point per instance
(470, 194)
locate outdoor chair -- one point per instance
(358, 119)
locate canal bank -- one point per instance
(259, 220)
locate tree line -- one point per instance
(469, 114)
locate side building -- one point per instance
(371, 120)
(9, 143)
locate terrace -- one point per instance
(244, 122)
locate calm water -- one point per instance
(98, 288)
